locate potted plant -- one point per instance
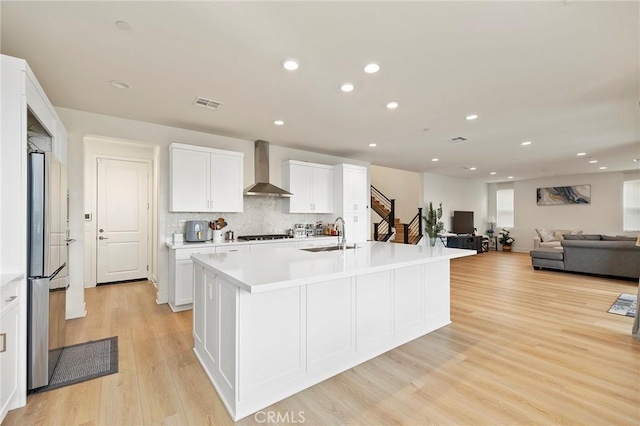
(505, 239)
(432, 224)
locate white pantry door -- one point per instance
(122, 217)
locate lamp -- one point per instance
(491, 220)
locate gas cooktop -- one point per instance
(264, 237)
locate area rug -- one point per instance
(84, 361)
(625, 305)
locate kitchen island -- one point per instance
(269, 324)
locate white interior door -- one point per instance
(122, 217)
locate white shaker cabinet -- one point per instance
(311, 185)
(351, 195)
(205, 179)
(351, 188)
(181, 277)
(9, 339)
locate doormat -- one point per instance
(84, 361)
(626, 305)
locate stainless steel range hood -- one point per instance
(262, 186)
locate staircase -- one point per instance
(385, 208)
(409, 233)
(405, 233)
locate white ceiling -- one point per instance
(565, 76)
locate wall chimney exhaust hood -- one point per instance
(262, 187)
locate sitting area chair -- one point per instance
(485, 244)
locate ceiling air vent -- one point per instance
(207, 103)
(458, 139)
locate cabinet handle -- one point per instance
(3, 338)
(11, 299)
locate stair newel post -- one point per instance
(375, 232)
(406, 233)
(392, 216)
(420, 230)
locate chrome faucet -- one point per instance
(344, 234)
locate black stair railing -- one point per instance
(413, 229)
(385, 208)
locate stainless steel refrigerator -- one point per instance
(46, 265)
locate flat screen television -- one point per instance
(462, 222)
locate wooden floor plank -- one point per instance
(524, 347)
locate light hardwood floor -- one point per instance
(524, 347)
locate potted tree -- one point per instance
(505, 239)
(432, 224)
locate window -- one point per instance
(631, 205)
(504, 206)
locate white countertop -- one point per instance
(286, 267)
(211, 243)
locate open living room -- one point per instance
(321, 213)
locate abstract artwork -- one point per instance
(558, 195)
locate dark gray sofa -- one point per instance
(592, 254)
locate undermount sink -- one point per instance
(329, 248)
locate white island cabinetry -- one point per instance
(205, 179)
(270, 327)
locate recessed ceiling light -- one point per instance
(593, 161)
(373, 145)
(393, 105)
(435, 159)
(473, 168)
(526, 143)
(493, 173)
(603, 168)
(636, 160)
(347, 87)
(509, 177)
(278, 122)
(580, 154)
(290, 65)
(471, 117)
(120, 84)
(372, 68)
(123, 25)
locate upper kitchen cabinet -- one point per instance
(311, 185)
(351, 189)
(205, 179)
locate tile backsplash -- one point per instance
(261, 215)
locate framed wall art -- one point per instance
(560, 195)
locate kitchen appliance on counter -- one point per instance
(229, 236)
(47, 250)
(196, 230)
(263, 237)
(299, 230)
(310, 230)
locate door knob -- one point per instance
(102, 238)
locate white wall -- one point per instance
(456, 194)
(401, 185)
(602, 216)
(81, 124)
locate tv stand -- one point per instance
(468, 242)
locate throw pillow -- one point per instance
(545, 235)
(558, 235)
(617, 238)
(591, 237)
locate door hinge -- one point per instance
(147, 206)
(147, 268)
